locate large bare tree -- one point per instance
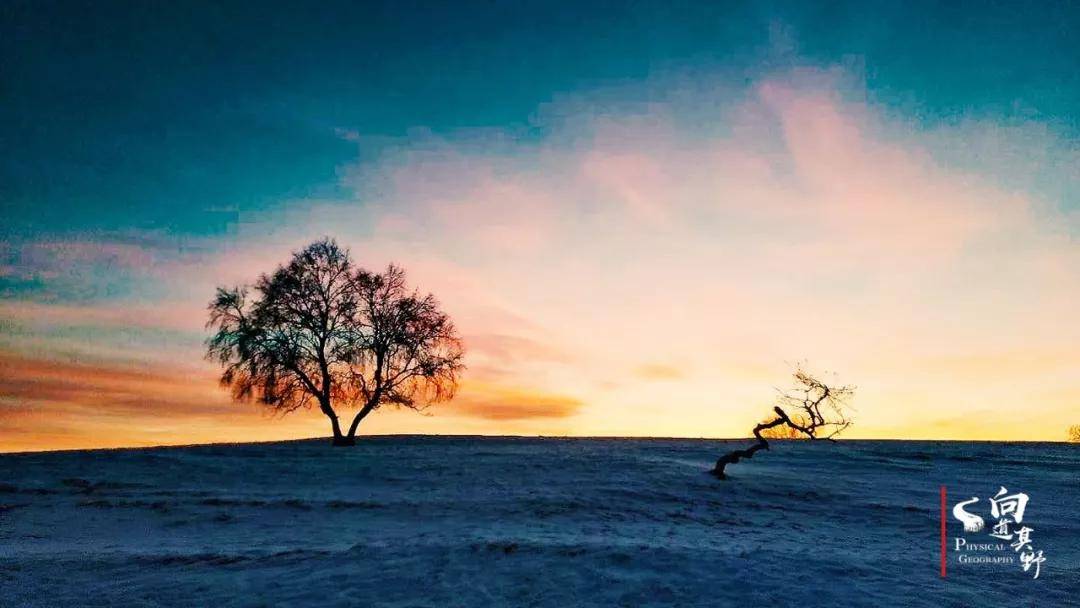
(321, 331)
(811, 409)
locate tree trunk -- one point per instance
(364, 411)
(338, 438)
(762, 444)
(343, 441)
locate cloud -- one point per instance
(54, 403)
(84, 268)
(178, 316)
(503, 403)
(107, 388)
(50, 258)
(658, 371)
(513, 348)
(734, 227)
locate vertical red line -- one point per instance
(942, 531)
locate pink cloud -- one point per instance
(68, 262)
(793, 219)
(637, 181)
(876, 195)
(165, 315)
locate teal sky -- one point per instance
(121, 117)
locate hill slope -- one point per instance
(443, 521)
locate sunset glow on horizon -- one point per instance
(636, 257)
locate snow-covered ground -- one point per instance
(428, 521)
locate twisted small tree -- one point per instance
(321, 331)
(817, 411)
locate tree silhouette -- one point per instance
(321, 331)
(784, 431)
(818, 411)
(1074, 433)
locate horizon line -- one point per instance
(477, 436)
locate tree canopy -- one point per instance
(811, 409)
(320, 331)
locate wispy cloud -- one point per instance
(109, 388)
(733, 227)
(502, 403)
(658, 371)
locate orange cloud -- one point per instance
(789, 220)
(658, 371)
(502, 403)
(180, 316)
(108, 388)
(54, 404)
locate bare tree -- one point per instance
(321, 331)
(818, 411)
(1074, 433)
(784, 431)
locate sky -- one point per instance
(640, 215)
